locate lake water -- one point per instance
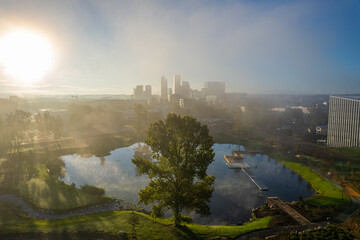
(234, 195)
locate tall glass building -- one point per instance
(344, 122)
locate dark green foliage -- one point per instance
(56, 167)
(92, 190)
(142, 121)
(17, 130)
(48, 124)
(327, 233)
(182, 151)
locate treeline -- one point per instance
(86, 117)
(256, 119)
(20, 129)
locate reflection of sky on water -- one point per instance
(234, 196)
(116, 174)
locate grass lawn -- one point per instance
(34, 177)
(248, 143)
(352, 153)
(142, 225)
(10, 214)
(47, 192)
(327, 193)
(108, 222)
(229, 231)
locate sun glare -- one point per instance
(26, 56)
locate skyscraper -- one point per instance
(177, 84)
(164, 88)
(185, 89)
(344, 122)
(214, 89)
(147, 91)
(138, 91)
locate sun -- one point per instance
(25, 55)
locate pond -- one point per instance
(234, 195)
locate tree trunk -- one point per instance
(177, 216)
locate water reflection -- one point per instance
(234, 196)
(102, 161)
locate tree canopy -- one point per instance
(181, 153)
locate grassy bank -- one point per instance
(11, 214)
(138, 224)
(230, 231)
(347, 152)
(327, 194)
(34, 177)
(248, 143)
(46, 192)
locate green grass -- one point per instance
(220, 230)
(327, 194)
(229, 231)
(351, 153)
(108, 222)
(28, 176)
(47, 192)
(248, 143)
(12, 221)
(10, 214)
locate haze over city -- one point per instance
(180, 120)
(109, 47)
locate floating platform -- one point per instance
(235, 163)
(238, 154)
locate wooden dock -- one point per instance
(274, 201)
(238, 154)
(234, 162)
(255, 180)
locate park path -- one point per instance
(45, 214)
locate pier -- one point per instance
(274, 201)
(255, 180)
(236, 161)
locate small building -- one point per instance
(321, 130)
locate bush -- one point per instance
(92, 190)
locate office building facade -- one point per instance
(344, 122)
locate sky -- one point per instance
(253, 46)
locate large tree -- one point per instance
(181, 153)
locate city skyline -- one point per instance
(254, 47)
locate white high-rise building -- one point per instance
(344, 122)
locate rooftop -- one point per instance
(349, 97)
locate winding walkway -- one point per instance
(45, 214)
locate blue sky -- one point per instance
(253, 46)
